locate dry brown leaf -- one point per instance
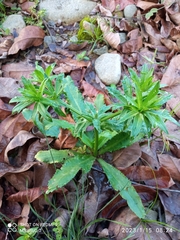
(141, 231)
(19, 140)
(5, 110)
(172, 74)
(157, 178)
(27, 196)
(112, 38)
(5, 168)
(172, 164)
(1, 195)
(109, 4)
(10, 126)
(68, 64)
(27, 6)
(127, 156)
(28, 37)
(20, 181)
(23, 220)
(146, 194)
(9, 87)
(134, 44)
(17, 70)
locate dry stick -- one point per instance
(159, 189)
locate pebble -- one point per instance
(130, 10)
(14, 21)
(68, 11)
(122, 37)
(100, 51)
(108, 68)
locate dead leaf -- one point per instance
(19, 140)
(172, 74)
(20, 181)
(27, 196)
(172, 164)
(28, 37)
(156, 178)
(112, 38)
(5, 110)
(10, 87)
(147, 194)
(127, 156)
(141, 231)
(17, 70)
(109, 4)
(27, 6)
(68, 64)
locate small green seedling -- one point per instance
(99, 128)
(82, 56)
(27, 234)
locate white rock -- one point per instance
(14, 21)
(130, 10)
(108, 68)
(68, 11)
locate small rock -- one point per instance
(68, 11)
(14, 21)
(108, 68)
(130, 10)
(100, 51)
(48, 40)
(122, 37)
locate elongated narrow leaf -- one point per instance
(69, 170)
(54, 156)
(137, 124)
(121, 183)
(105, 136)
(117, 94)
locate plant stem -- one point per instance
(111, 115)
(96, 134)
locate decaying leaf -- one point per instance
(28, 37)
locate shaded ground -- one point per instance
(152, 166)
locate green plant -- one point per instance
(98, 127)
(36, 17)
(82, 56)
(90, 31)
(27, 234)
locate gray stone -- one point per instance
(14, 21)
(48, 40)
(130, 10)
(108, 68)
(122, 37)
(100, 51)
(68, 11)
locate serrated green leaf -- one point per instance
(137, 124)
(75, 99)
(117, 94)
(69, 170)
(54, 156)
(121, 140)
(105, 136)
(121, 183)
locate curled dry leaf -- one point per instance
(112, 38)
(28, 37)
(19, 140)
(27, 6)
